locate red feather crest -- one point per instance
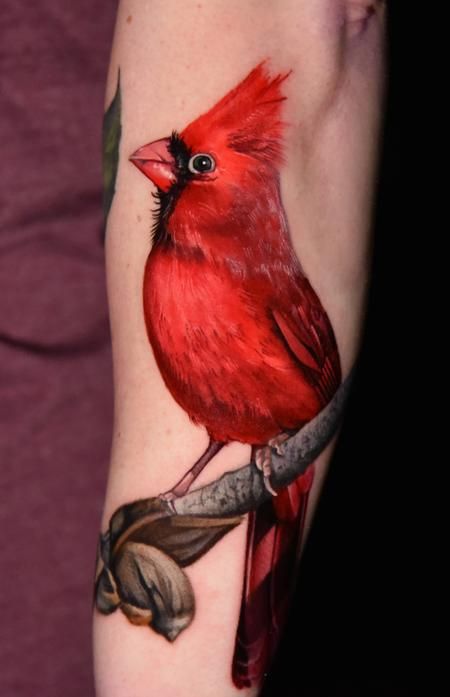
(248, 118)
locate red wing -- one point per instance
(275, 529)
(308, 333)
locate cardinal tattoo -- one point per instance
(246, 348)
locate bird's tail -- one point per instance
(275, 533)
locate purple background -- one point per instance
(55, 385)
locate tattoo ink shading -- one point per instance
(112, 131)
(252, 358)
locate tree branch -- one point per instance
(243, 490)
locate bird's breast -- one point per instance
(196, 312)
(217, 351)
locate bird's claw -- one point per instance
(269, 486)
(178, 490)
(263, 461)
(169, 497)
(278, 443)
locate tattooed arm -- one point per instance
(236, 297)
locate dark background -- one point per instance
(364, 620)
(371, 611)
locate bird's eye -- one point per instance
(201, 163)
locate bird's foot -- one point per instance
(185, 483)
(278, 443)
(263, 460)
(168, 496)
(179, 490)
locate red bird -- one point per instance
(239, 335)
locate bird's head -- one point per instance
(225, 152)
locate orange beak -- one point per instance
(157, 163)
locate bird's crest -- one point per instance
(248, 117)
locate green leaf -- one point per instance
(112, 130)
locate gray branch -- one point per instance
(243, 490)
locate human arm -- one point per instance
(175, 63)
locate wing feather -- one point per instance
(308, 333)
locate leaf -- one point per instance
(153, 590)
(112, 130)
(106, 597)
(140, 560)
(184, 538)
(132, 515)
